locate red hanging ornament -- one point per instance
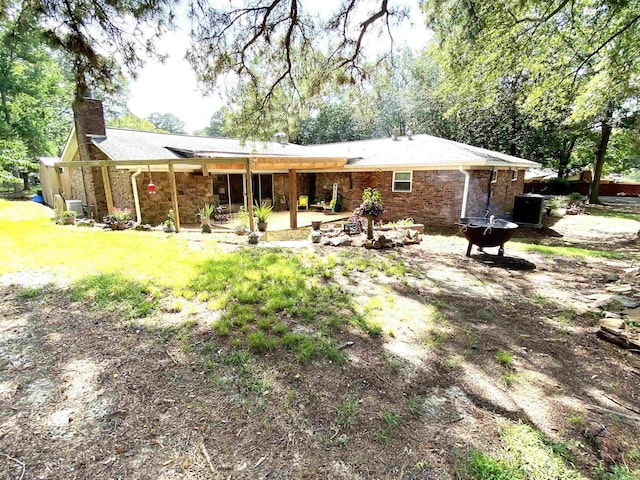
(151, 188)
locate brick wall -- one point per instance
(503, 192)
(435, 199)
(193, 192)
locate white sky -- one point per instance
(172, 88)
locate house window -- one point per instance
(494, 176)
(514, 175)
(402, 181)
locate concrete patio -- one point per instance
(279, 221)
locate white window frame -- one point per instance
(393, 181)
(514, 175)
(494, 176)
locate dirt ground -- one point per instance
(84, 395)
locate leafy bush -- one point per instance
(371, 205)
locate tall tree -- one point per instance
(579, 59)
(167, 122)
(266, 44)
(133, 122)
(34, 95)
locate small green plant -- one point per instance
(509, 379)
(259, 342)
(504, 358)
(205, 212)
(69, 214)
(243, 216)
(121, 214)
(557, 202)
(416, 405)
(253, 237)
(262, 212)
(347, 411)
(391, 421)
(29, 292)
(170, 223)
(343, 441)
(575, 198)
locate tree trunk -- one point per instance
(601, 150)
(563, 161)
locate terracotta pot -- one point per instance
(262, 226)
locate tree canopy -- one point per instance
(568, 63)
(167, 122)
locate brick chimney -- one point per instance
(89, 120)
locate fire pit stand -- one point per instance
(487, 232)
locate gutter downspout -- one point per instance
(465, 194)
(136, 200)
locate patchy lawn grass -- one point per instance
(29, 239)
(573, 252)
(207, 360)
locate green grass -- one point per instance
(77, 253)
(347, 411)
(112, 292)
(390, 421)
(574, 252)
(601, 212)
(416, 405)
(524, 454)
(27, 293)
(504, 358)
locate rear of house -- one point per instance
(429, 179)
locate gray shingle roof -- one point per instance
(424, 151)
(122, 144)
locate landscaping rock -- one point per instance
(619, 288)
(145, 227)
(611, 315)
(626, 301)
(612, 277)
(85, 222)
(616, 323)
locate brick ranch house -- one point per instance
(430, 179)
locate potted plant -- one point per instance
(262, 213)
(254, 237)
(205, 214)
(316, 235)
(68, 217)
(242, 223)
(169, 224)
(120, 219)
(558, 206)
(371, 208)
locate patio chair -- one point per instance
(303, 202)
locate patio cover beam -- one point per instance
(107, 188)
(133, 163)
(174, 197)
(249, 190)
(293, 199)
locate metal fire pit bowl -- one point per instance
(484, 232)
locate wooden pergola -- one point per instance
(210, 163)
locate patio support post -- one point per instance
(293, 200)
(249, 190)
(107, 188)
(174, 196)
